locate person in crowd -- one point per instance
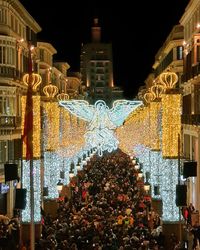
(195, 230)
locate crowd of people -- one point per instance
(9, 233)
(108, 209)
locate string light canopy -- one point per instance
(102, 121)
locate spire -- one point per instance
(96, 31)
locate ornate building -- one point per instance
(191, 94)
(97, 68)
(17, 29)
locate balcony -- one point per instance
(11, 122)
(195, 71)
(6, 71)
(191, 119)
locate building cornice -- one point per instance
(24, 14)
(189, 10)
(47, 46)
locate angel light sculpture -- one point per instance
(102, 121)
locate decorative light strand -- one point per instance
(26, 213)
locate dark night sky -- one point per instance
(137, 29)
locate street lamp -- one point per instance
(134, 161)
(137, 166)
(71, 174)
(59, 186)
(140, 174)
(78, 167)
(146, 186)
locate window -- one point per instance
(3, 16)
(7, 55)
(198, 53)
(41, 54)
(12, 22)
(7, 102)
(3, 151)
(179, 53)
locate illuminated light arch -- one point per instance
(102, 120)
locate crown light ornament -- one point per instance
(50, 90)
(34, 79)
(157, 90)
(149, 97)
(62, 96)
(168, 79)
(102, 121)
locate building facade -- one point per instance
(96, 67)
(17, 29)
(191, 95)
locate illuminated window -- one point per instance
(179, 53)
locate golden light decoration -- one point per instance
(157, 90)
(155, 109)
(168, 79)
(137, 127)
(50, 90)
(141, 94)
(171, 124)
(36, 125)
(62, 97)
(72, 135)
(51, 127)
(149, 97)
(34, 79)
(64, 128)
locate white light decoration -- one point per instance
(102, 121)
(51, 173)
(163, 173)
(156, 174)
(168, 189)
(26, 213)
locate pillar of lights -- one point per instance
(102, 121)
(26, 213)
(171, 117)
(163, 173)
(51, 128)
(171, 124)
(156, 174)
(143, 154)
(66, 170)
(155, 109)
(51, 125)
(51, 173)
(135, 126)
(169, 169)
(64, 124)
